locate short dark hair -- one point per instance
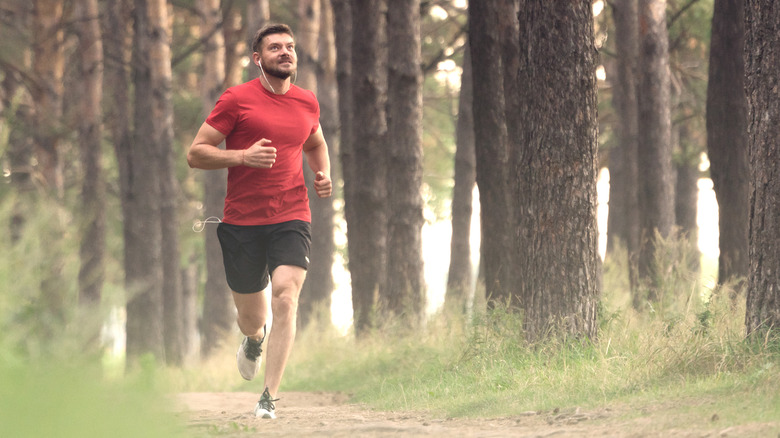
(269, 29)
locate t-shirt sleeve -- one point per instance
(224, 115)
(316, 124)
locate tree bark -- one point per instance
(459, 295)
(405, 285)
(727, 137)
(162, 111)
(367, 229)
(762, 64)
(557, 269)
(258, 13)
(686, 193)
(92, 250)
(141, 205)
(623, 220)
(655, 178)
(233, 30)
(17, 105)
(48, 68)
(316, 293)
(319, 279)
(490, 132)
(218, 310)
(342, 25)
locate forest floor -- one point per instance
(305, 414)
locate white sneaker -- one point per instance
(248, 357)
(265, 407)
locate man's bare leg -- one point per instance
(286, 283)
(252, 312)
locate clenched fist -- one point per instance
(323, 185)
(260, 155)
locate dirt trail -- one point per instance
(229, 414)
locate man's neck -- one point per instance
(275, 85)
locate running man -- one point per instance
(265, 234)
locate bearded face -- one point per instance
(278, 57)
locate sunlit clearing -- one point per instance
(598, 7)
(448, 71)
(245, 61)
(601, 73)
(704, 162)
(439, 13)
(460, 4)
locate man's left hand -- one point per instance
(323, 185)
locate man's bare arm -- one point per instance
(204, 152)
(316, 150)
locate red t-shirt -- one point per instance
(247, 113)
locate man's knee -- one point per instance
(285, 305)
(251, 319)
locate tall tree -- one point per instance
(258, 13)
(162, 137)
(655, 178)
(48, 65)
(623, 220)
(141, 201)
(17, 105)
(233, 30)
(405, 283)
(319, 278)
(218, 310)
(557, 268)
(342, 25)
(93, 190)
(762, 68)
(48, 68)
(459, 275)
(319, 285)
(727, 137)
(490, 132)
(686, 188)
(366, 217)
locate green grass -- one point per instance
(688, 354)
(685, 358)
(53, 400)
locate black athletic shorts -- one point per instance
(252, 252)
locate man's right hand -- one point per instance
(260, 155)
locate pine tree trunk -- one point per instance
(316, 294)
(316, 291)
(218, 310)
(727, 137)
(557, 269)
(490, 132)
(48, 67)
(93, 189)
(623, 220)
(258, 13)
(655, 178)
(686, 192)
(762, 64)
(18, 105)
(405, 281)
(367, 221)
(342, 33)
(459, 295)
(141, 205)
(235, 46)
